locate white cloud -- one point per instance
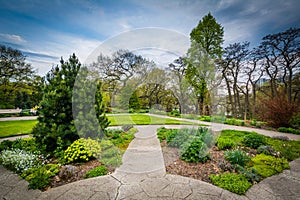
(12, 38)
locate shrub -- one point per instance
(250, 174)
(194, 151)
(27, 144)
(267, 150)
(237, 157)
(175, 138)
(110, 154)
(295, 121)
(205, 118)
(39, 177)
(288, 130)
(98, 171)
(268, 165)
(206, 136)
(289, 150)
(5, 144)
(18, 160)
(236, 183)
(162, 133)
(225, 143)
(233, 121)
(82, 150)
(175, 113)
(254, 140)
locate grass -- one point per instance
(21, 127)
(15, 128)
(141, 119)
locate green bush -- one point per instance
(289, 150)
(5, 144)
(254, 140)
(175, 113)
(288, 130)
(110, 154)
(39, 177)
(98, 171)
(82, 150)
(18, 160)
(205, 118)
(268, 165)
(237, 157)
(175, 138)
(267, 150)
(236, 122)
(126, 128)
(162, 133)
(235, 183)
(295, 121)
(250, 174)
(206, 136)
(225, 143)
(194, 151)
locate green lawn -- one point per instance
(14, 128)
(141, 119)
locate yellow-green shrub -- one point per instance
(82, 150)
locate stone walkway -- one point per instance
(142, 176)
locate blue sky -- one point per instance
(46, 30)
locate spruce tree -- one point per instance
(55, 118)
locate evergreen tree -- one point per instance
(55, 114)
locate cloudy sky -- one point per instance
(46, 30)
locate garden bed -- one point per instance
(261, 157)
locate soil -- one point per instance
(78, 174)
(201, 171)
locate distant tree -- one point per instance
(281, 51)
(207, 39)
(15, 73)
(210, 36)
(55, 118)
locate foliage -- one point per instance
(205, 118)
(110, 154)
(18, 160)
(236, 136)
(210, 35)
(39, 177)
(15, 74)
(289, 150)
(98, 171)
(82, 150)
(225, 143)
(175, 113)
(254, 140)
(120, 138)
(288, 130)
(236, 122)
(237, 157)
(267, 150)
(235, 183)
(175, 138)
(162, 133)
(250, 174)
(295, 121)
(194, 151)
(268, 165)
(5, 144)
(278, 111)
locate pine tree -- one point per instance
(56, 114)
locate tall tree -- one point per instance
(207, 39)
(210, 35)
(282, 50)
(15, 73)
(55, 118)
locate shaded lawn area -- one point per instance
(21, 127)
(142, 119)
(15, 128)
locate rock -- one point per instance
(68, 171)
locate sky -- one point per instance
(47, 30)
